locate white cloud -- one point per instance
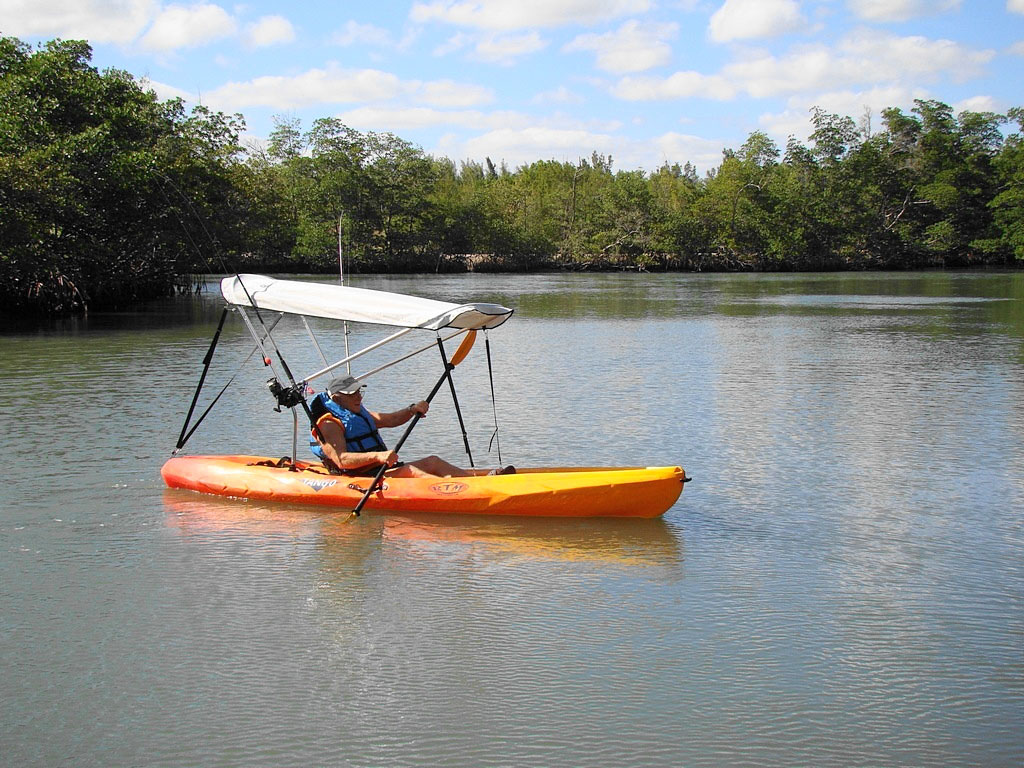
(448, 93)
(796, 119)
(456, 42)
(123, 21)
(1015, 6)
(681, 85)
(872, 58)
(862, 57)
(269, 30)
(1017, 48)
(354, 32)
(746, 19)
(805, 68)
(854, 103)
(888, 56)
(99, 21)
(977, 104)
(336, 85)
(633, 47)
(524, 14)
(781, 125)
(900, 10)
(416, 118)
(670, 148)
(560, 95)
(494, 49)
(505, 49)
(333, 85)
(179, 26)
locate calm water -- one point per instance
(841, 585)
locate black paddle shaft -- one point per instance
(415, 419)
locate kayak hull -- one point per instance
(644, 492)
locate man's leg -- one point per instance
(429, 466)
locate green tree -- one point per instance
(461, 224)
(332, 216)
(1007, 204)
(675, 230)
(398, 179)
(100, 183)
(941, 182)
(737, 206)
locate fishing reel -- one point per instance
(287, 397)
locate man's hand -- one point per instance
(389, 458)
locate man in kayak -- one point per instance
(346, 436)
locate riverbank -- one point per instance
(720, 261)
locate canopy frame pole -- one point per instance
(347, 332)
(426, 325)
(295, 437)
(360, 353)
(458, 411)
(313, 339)
(267, 360)
(396, 361)
(379, 344)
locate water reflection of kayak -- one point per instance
(550, 492)
(194, 514)
(603, 540)
(608, 540)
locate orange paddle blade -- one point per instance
(464, 347)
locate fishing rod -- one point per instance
(341, 275)
(287, 396)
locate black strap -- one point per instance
(494, 407)
(455, 399)
(182, 438)
(279, 464)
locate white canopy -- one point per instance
(358, 304)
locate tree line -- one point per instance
(109, 196)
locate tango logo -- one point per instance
(449, 488)
(319, 485)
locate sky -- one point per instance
(643, 81)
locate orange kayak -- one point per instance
(540, 492)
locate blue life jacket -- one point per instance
(361, 435)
